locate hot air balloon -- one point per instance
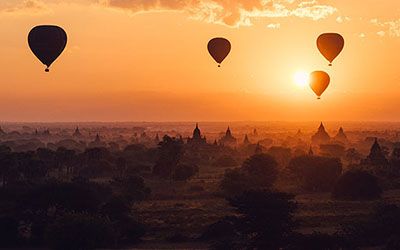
(330, 45)
(47, 42)
(219, 49)
(319, 81)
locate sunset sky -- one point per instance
(147, 60)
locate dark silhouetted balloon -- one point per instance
(319, 81)
(330, 45)
(219, 49)
(47, 42)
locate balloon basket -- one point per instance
(330, 65)
(47, 70)
(219, 66)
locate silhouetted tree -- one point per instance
(332, 150)
(315, 173)
(261, 167)
(281, 154)
(131, 188)
(169, 153)
(265, 220)
(184, 172)
(225, 161)
(357, 185)
(257, 172)
(352, 156)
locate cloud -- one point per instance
(25, 7)
(381, 33)
(274, 26)
(392, 27)
(342, 19)
(229, 12)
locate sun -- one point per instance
(301, 78)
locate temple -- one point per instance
(77, 133)
(376, 155)
(197, 138)
(228, 139)
(246, 140)
(341, 136)
(321, 136)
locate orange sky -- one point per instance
(146, 60)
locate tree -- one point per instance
(8, 168)
(170, 151)
(131, 188)
(357, 185)
(262, 167)
(185, 172)
(315, 173)
(257, 172)
(264, 220)
(281, 154)
(225, 161)
(352, 156)
(332, 150)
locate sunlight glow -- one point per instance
(301, 78)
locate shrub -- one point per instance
(357, 185)
(315, 173)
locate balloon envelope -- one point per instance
(330, 45)
(219, 49)
(47, 42)
(319, 81)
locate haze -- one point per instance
(130, 60)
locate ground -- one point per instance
(178, 213)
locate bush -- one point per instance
(315, 173)
(80, 231)
(185, 172)
(357, 185)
